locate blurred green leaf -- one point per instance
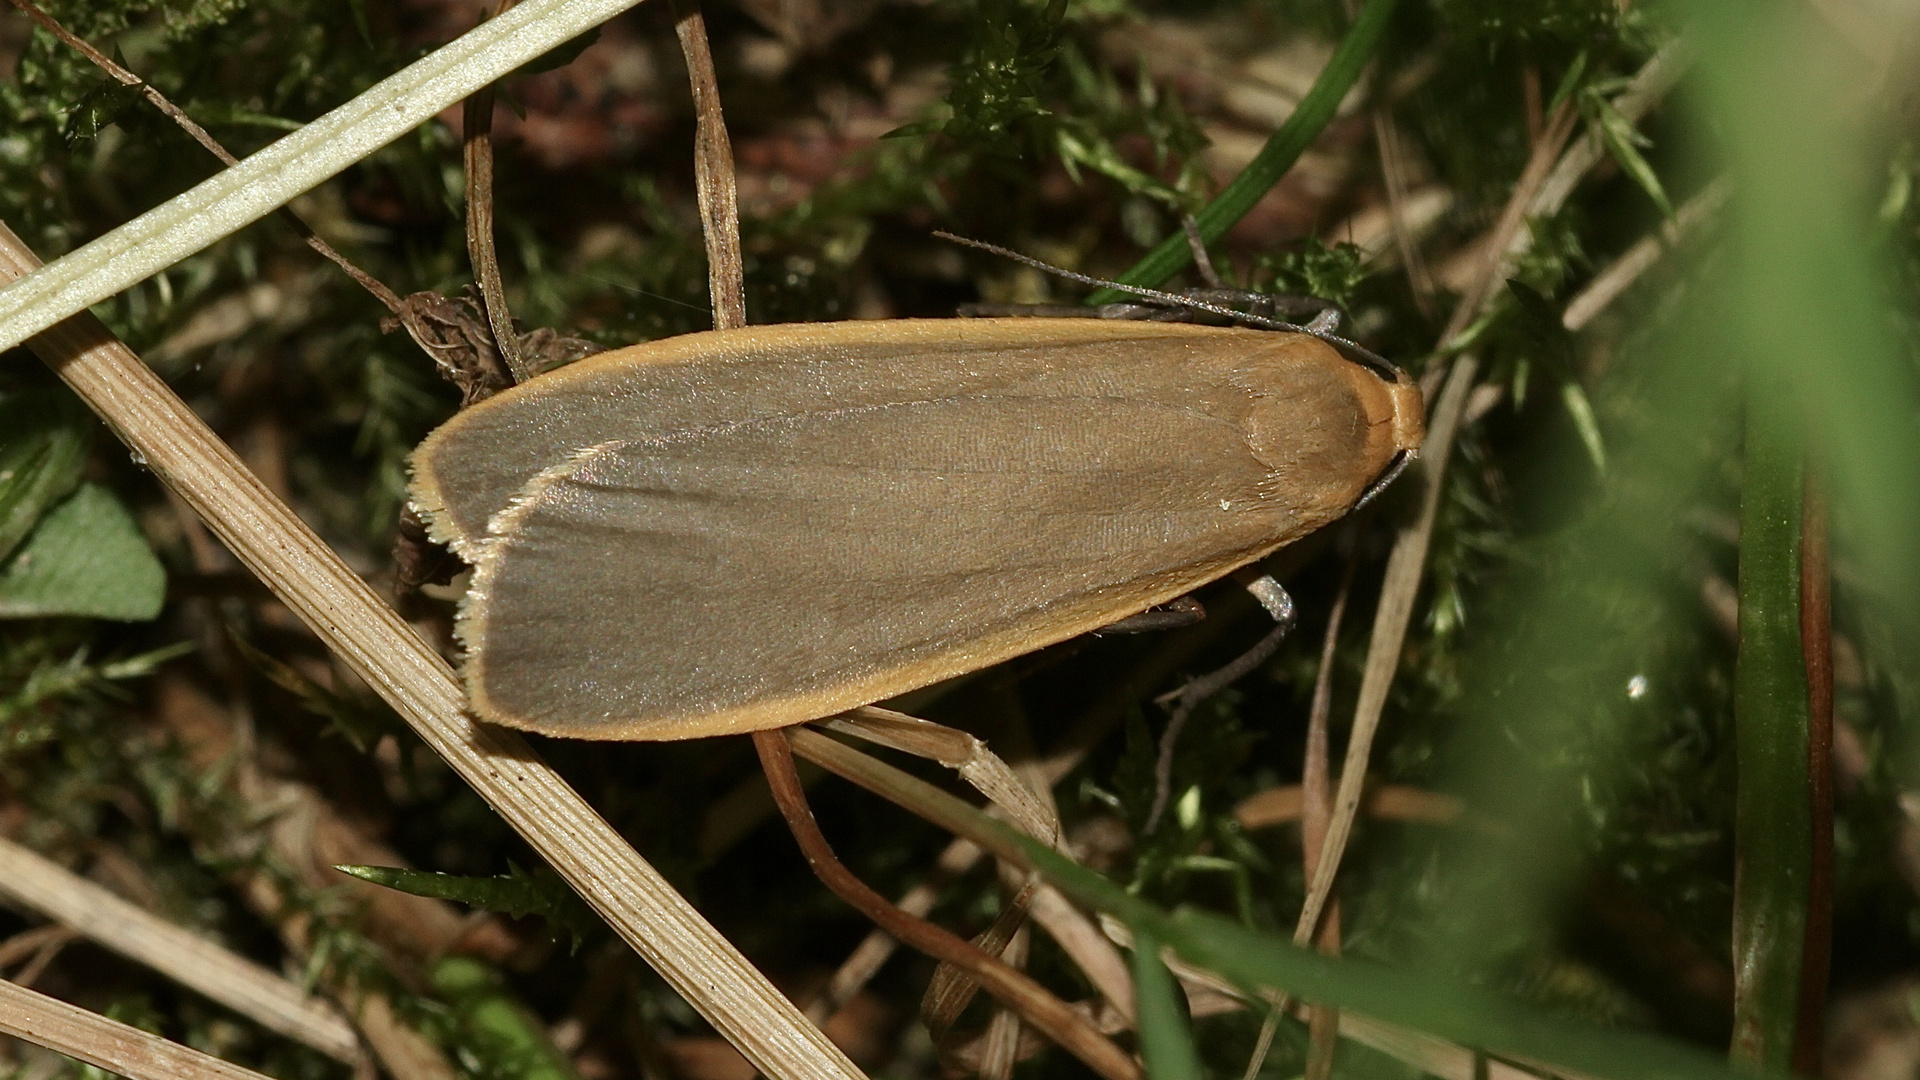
(518, 893)
(87, 558)
(1166, 1038)
(1623, 141)
(1581, 411)
(500, 1036)
(1773, 836)
(1570, 82)
(43, 449)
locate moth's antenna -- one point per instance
(1352, 350)
(1174, 299)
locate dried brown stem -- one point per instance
(1388, 802)
(951, 989)
(199, 134)
(713, 173)
(1393, 172)
(1436, 1056)
(477, 154)
(1047, 1013)
(476, 128)
(378, 645)
(43, 886)
(109, 1044)
(872, 952)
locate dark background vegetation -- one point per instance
(859, 127)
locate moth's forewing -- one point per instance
(943, 510)
(471, 467)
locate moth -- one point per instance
(748, 528)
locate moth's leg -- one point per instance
(1291, 307)
(1180, 611)
(1279, 604)
(1122, 310)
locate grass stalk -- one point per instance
(1282, 149)
(1773, 831)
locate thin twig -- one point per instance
(199, 134)
(1046, 1013)
(390, 656)
(476, 116)
(108, 1044)
(713, 172)
(44, 886)
(1495, 252)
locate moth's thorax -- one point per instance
(1325, 425)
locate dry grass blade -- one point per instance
(1049, 769)
(961, 752)
(240, 984)
(713, 173)
(372, 639)
(1032, 814)
(1316, 789)
(106, 1044)
(1390, 622)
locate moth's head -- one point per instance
(1409, 414)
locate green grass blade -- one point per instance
(1283, 148)
(1773, 829)
(1165, 1041)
